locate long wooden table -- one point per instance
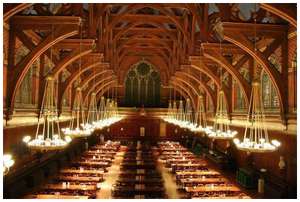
(185, 166)
(189, 181)
(97, 155)
(60, 196)
(141, 180)
(197, 173)
(212, 189)
(78, 171)
(70, 187)
(96, 152)
(79, 178)
(91, 163)
(95, 159)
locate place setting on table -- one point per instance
(194, 176)
(81, 179)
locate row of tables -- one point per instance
(82, 177)
(138, 176)
(194, 175)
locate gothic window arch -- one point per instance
(142, 86)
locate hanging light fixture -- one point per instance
(101, 113)
(50, 138)
(256, 138)
(221, 128)
(168, 117)
(78, 127)
(188, 121)
(200, 117)
(92, 116)
(256, 135)
(108, 112)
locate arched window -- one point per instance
(269, 94)
(142, 85)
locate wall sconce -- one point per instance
(108, 130)
(281, 163)
(176, 131)
(122, 129)
(7, 163)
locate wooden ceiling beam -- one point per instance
(261, 29)
(225, 48)
(146, 18)
(14, 8)
(167, 42)
(283, 11)
(16, 75)
(144, 30)
(74, 43)
(182, 74)
(45, 20)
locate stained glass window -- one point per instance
(269, 94)
(142, 86)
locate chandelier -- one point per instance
(221, 128)
(256, 138)
(181, 116)
(108, 113)
(256, 135)
(92, 116)
(49, 138)
(200, 117)
(78, 127)
(7, 163)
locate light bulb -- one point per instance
(68, 139)
(26, 139)
(7, 157)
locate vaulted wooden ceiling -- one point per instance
(180, 40)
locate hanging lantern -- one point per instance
(168, 117)
(101, 113)
(221, 128)
(188, 122)
(77, 123)
(92, 116)
(256, 135)
(49, 138)
(200, 117)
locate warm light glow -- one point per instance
(50, 138)
(26, 139)
(7, 163)
(256, 135)
(221, 128)
(78, 126)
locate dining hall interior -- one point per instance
(149, 100)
